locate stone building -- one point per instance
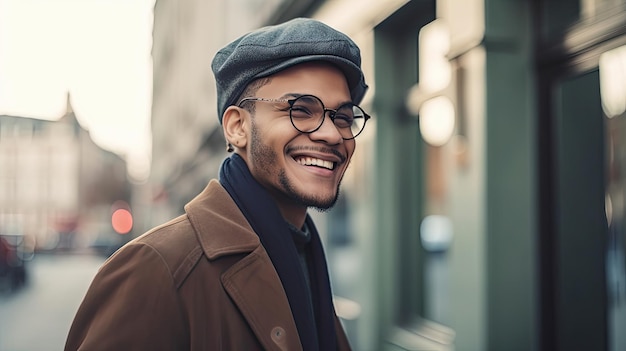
(56, 184)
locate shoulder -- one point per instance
(176, 245)
(174, 240)
(166, 250)
(212, 226)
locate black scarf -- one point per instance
(316, 329)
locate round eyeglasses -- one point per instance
(307, 113)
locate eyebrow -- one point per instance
(297, 95)
(291, 95)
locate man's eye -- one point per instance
(342, 120)
(299, 111)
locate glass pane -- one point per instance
(580, 235)
(613, 91)
(558, 15)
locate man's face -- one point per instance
(298, 169)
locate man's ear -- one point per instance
(235, 124)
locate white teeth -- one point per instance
(310, 161)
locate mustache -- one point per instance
(320, 149)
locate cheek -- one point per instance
(350, 148)
(266, 148)
(275, 131)
(279, 137)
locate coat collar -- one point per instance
(213, 210)
(262, 301)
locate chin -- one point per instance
(323, 205)
(308, 199)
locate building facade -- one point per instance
(484, 208)
(56, 184)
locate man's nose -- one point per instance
(328, 131)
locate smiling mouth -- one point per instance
(312, 161)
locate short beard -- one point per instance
(321, 205)
(261, 154)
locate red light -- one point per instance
(122, 221)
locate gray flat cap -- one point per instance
(272, 49)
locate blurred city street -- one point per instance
(38, 316)
(483, 207)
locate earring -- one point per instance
(229, 148)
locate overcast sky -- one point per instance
(99, 51)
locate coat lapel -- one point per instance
(254, 286)
(252, 282)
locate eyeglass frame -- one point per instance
(331, 112)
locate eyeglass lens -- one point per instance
(307, 115)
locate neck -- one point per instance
(293, 214)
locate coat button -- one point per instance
(279, 337)
(278, 334)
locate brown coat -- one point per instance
(199, 282)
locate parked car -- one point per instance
(14, 253)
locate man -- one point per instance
(243, 268)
